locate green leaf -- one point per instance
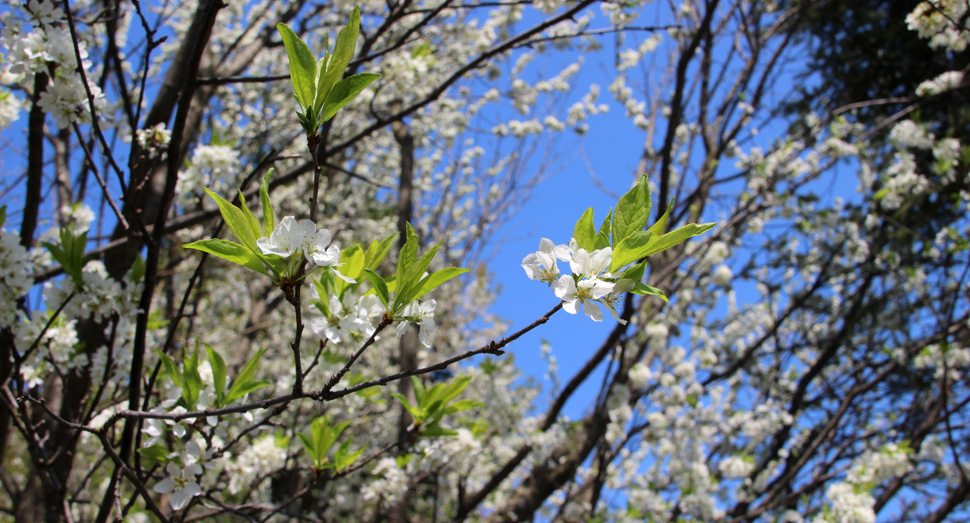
(461, 405)
(236, 220)
(218, 373)
(603, 235)
(644, 289)
(269, 216)
(245, 388)
(632, 211)
(354, 261)
(435, 432)
(157, 452)
(677, 236)
(419, 391)
(406, 258)
(659, 227)
(423, 49)
(170, 368)
(630, 249)
(343, 52)
(376, 252)
(345, 91)
(70, 254)
(230, 251)
(251, 219)
(3, 215)
(302, 65)
(248, 387)
(239, 386)
(311, 450)
(584, 233)
(415, 412)
(191, 378)
(343, 459)
(137, 269)
(379, 286)
(635, 273)
(435, 279)
(455, 388)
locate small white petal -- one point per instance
(179, 499)
(572, 307)
(164, 486)
(592, 309)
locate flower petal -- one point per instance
(592, 309)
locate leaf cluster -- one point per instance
(434, 403)
(319, 85)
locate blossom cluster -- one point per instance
(291, 237)
(590, 284)
(47, 46)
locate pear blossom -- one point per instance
(592, 264)
(415, 313)
(291, 236)
(286, 238)
(584, 293)
(180, 484)
(541, 265)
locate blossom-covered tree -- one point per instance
(226, 210)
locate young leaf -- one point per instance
(236, 220)
(377, 251)
(70, 254)
(191, 378)
(677, 236)
(632, 211)
(343, 52)
(354, 260)
(343, 459)
(170, 368)
(584, 233)
(229, 251)
(269, 216)
(137, 269)
(435, 279)
(311, 449)
(218, 373)
(379, 286)
(302, 66)
(415, 412)
(643, 289)
(603, 235)
(408, 253)
(412, 279)
(240, 386)
(344, 91)
(461, 405)
(659, 227)
(419, 391)
(251, 219)
(156, 452)
(630, 249)
(434, 431)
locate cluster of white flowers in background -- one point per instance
(155, 141)
(936, 22)
(10, 107)
(942, 83)
(15, 280)
(211, 165)
(48, 41)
